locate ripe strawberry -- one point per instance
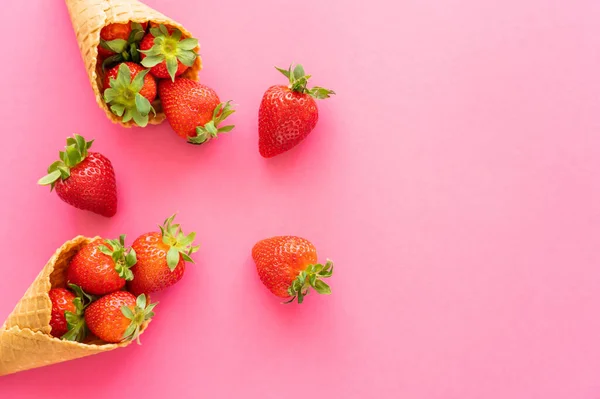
(193, 110)
(288, 114)
(62, 301)
(161, 258)
(102, 266)
(166, 54)
(288, 267)
(129, 90)
(85, 180)
(118, 317)
(117, 38)
(67, 321)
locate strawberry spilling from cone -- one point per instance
(93, 296)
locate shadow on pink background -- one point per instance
(453, 179)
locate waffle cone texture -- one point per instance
(25, 340)
(90, 16)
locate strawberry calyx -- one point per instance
(211, 129)
(180, 245)
(141, 313)
(77, 329)
(311, 277)
(124, 98)
(125, 50)
(298, 81)
(75, 152)
(169, 47)
(124, 260)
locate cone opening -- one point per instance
(99, 73)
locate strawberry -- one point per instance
(129, 90)
(161, 258)
(119, 42)
(67, 321)
(193, 110)
(62, 301)
(288, 267)
(118, 317)
(85, 180)
(288, 114)
(102, 266)
(166, 54)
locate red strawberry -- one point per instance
(148, 90)
(161, 258)
(288, 267)
(193, 110)
(288, 114)
(129, 90)
(85, 180)
(102, 266)
(62, 301)
(67, 313)
(114, 38)
(166, 54)
(118, 317)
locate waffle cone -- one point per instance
(90, 16)
(25, 340)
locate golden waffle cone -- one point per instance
(25, 340)
(90, 16)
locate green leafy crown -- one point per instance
(138, 316)
(77, 329)
(126, 50)
(75, 151)
(211, 129)
(124, 98)
(124, 260)
(180, 245)
(311, 277)
(169, 47)
(298, 81)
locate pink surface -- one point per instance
(453, 179)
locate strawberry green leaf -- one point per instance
(172, 67)
(49, 178)
(75, 152)
(311, 276)
(299, 80)
(141, 314)
(152, 60)
(127, 312)
(188, 44)
(117, 45)
(172, 258)
(211, 129)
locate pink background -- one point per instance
(453, 179)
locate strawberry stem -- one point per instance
(138, 316)
(180, 245)
(211, 129)
(299, 80)
(311, 278)
(75, 152)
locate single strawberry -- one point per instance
(288, 267)
(166, 53)
(129, 90)
(288, 114)
(85, 180)
(62, 301)
(66, 320)
(102, 266)
(120, 42)
(161, 258)
(118, 317)
(193, 110)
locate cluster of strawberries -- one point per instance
(136, 60)
(143, 68)
(109, 284)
